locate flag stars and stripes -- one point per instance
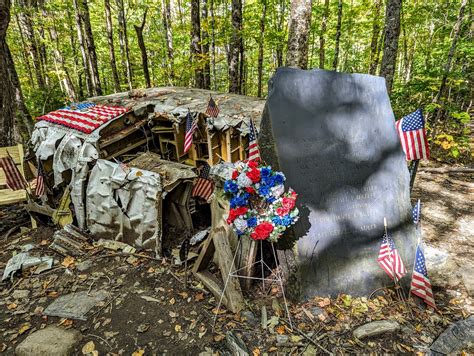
(191, 126)
(420, 283)
(212, 108)
(411, 130)
(416, 212)
(14, 179)
(389, 259)
(254, 151)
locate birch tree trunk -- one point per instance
(298, 34)
(235, 44)
(7, 103)
(72, 42)
(141, 44)
(94, 69)
(213, 45)
(123, 39)
(260, 48)
(166, 18)
(281, 20)
(392, 32)
(322, 40)
(375, 36)
(110, 42)
(205, 46)
(24, 54)
(196, 49)
(335, 62)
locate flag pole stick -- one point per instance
(418, 234)
(413, 170)
(398, 287)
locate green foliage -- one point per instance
(424, 44)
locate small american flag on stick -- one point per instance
(15, 180)
(411, 130)
(420, 283)
(389, 259)
(40, 180)
(191, 126)
(212, 108)
(254, 151)
(416, 213)
(203, 186)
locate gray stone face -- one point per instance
(376, 328)
(455, 338)
(51, 341)
(334, 137)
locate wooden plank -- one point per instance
(8, 196)
(212, 283)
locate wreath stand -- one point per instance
(234, 273)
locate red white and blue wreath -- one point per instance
(259, 206)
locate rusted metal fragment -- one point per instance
(70, 241)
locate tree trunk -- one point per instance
(281, 20)
(72, 42)
(27, 28)
(123, 39)
(242, 67)
(42, 42)
(392, 32)
(375, 35)
(84, 53)
(213, 44)
(196, 50)
(447, 67)
(22, 110)
(110, 42)
(235, 47)
(141, 44)
(71, 93)
(7, 104)
(24, 54)
(166, 16)
(94, 69)
(322, 40)
(338, 35)
(205, 47)
(298, 33)
(260, 48)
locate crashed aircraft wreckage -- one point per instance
(120, 160)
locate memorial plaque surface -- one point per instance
(334, 138)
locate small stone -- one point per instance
(376, 328)
(52, 340)
(84, 265)
(282, 339)
(249, 317)
(20, 293)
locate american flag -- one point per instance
(203, 186)
(15, 180)
(420, 283)
(411, 130)
(254, 151)
(212, 108)
(191, 126)
(40, 181)
(389, 259)
(416, 212)
(84, 117)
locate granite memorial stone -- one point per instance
(334, 137)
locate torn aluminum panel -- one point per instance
(124, 205)
(222, 171)
(24, 260)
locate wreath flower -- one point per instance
(260, 208)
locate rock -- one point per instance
(317, 311)
(75, 305)
(442, 269)
(467, 274)
(84, 265)
(235, 344)
(456, 337)
(282, 339)
(249, 317)
(376, 328)
(20, 293)
(51, 341)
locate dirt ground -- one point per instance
(148, 310)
